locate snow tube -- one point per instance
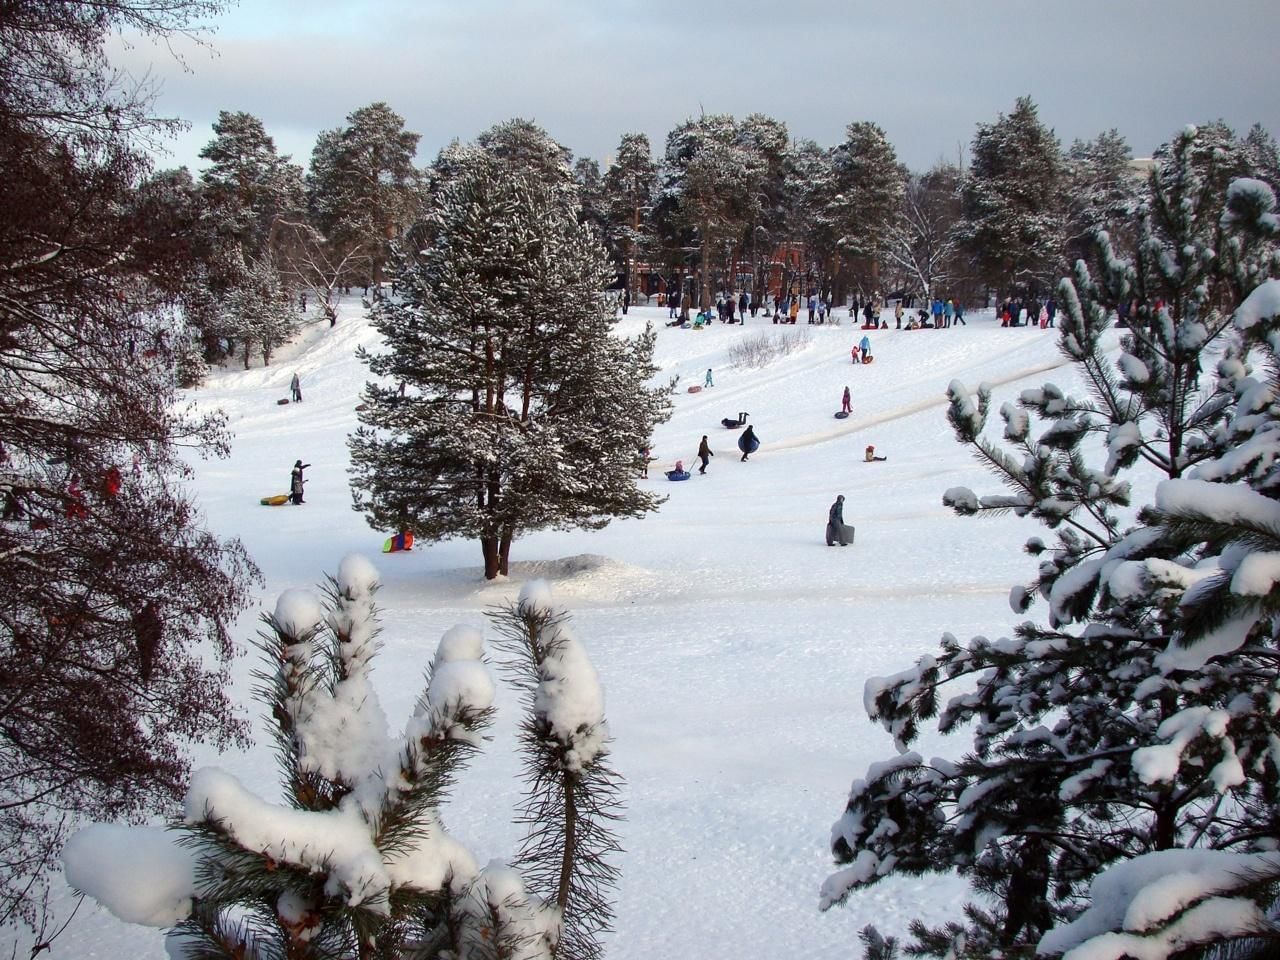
(282, 401)
(695, 389)
(279, 500)
(674, 475)
(841, 415)
(742, 444)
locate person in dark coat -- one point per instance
(846, 404)
(295, 387)
(296, 482)
(837, 532)
(704, 453)
(746, 442)
(744, 304)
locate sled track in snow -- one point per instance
(853, 426)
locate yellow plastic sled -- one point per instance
(279, 500)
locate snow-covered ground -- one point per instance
(733, 645)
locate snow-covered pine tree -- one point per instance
(1130, 742)
(247, 184)
(710, 184)
(258, 310)
(808, 217)
(522, 409)
(1011, 198)
(1101, 191)
(586, 174)
(868, 184)
(362, 188)
(628, 197)
(356, 863)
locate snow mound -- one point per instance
(585, 576)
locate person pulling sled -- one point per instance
(296, 482)
(837, 530)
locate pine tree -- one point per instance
(710, 180)
(868, 184)
(362, 189)
(1131, 737)
(1101, 191)
(248, 186)
(521, 411)
(357, 862)
(810, 218)
(1012, 201)
(628, 195)
(258, 311)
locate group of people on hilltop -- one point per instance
(1031, 313)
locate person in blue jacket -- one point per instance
(865, 346)
(747, 443)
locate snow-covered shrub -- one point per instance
(763, 348)
(1121, 793)
(356, 862)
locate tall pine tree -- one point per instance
(869, 184)
(362, 189)
(521, 409)
(1011, 199)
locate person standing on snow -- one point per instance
(746, 442)
(707, 382)
(296, 482)
(846, 404)
(295, 387)
(865, 346)
(837, 532)
(704, 454)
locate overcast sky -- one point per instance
(926, 71)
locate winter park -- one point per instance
(436, 532)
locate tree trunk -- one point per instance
(504, 551)
(489, 547)
(704, 289)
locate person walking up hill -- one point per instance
(704, 453)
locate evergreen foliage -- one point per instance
(710, 185)
(362, 189)
(1131, 737)
(1012, 201)
(628, 195)
(521, 409)
(1101, 191)
(869, 186)
(248, 185)
(356, 863)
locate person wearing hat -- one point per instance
(296, 482)
(837, 532)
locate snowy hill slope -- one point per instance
(732, 643)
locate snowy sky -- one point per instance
(927, 71)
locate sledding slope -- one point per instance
(733, 645)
